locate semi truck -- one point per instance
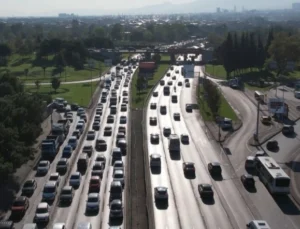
(174, 143)
(61, 129)
(50, 146)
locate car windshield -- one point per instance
(72, 140)
(74, 177)
(28, 184)
(43, 164)
(61, 163)
(189, 165)
(118, 175)
(94, 181)
(18, 203)
(49, 189)
(97, 167)
(41, 210)
(161, 191)
(65, 192)
(115, 207)
(93, 199)
(206, 188)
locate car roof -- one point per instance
(161, 188)
(116, 183)
(21, 198)
(42, 205)
(67, 188)
(58, 225)
(118, 162)
(84, 225)
(76, 173)
(155, 155)
(250, 158)
(50, 184)
(93, 195)
(31, 181)
(119, 171)
(206, 185)
(54, 174)
(248, 175)
(44, 161)
(116, 202)
(216, 163)
(95, 178)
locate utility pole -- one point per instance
(257, 122)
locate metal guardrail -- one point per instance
(149, 205)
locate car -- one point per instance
(161, 193)
(170, 83)
(20, 205)
(62, 165)
(248, 180)
(88, 149)
(73, 141)
(155, 93)
(55, 177)
(118, 175)
(184, 139)
(123, 107)
(101, 158)
(155, 160)
(287, 129)
(108, 131)
(118, 165)
(97, 169)
(93, 202)
(90, 135)
(176, 116)
(116, 86)
(154, 138)
(67, 194)
(110, 119)
(123, 119)
(205, 191)
(267, 120)
(70, 117)
(188, 168)
(214, 168)
(186, 80)
(162, 82)
(188, 107)
(125, 100)
(168, 74)
(272, 145)
(187, 85)
(125, 93)
(103, 99)
(125, 84)
(97, 118)
(174, 77)
(99, 111)
(100, 105)
(75, 179)
(116, 209)
(81, 121)
(74, 106)
(179, 83)
(163, 110)
(42, 213)
(80, 111)
(122, 129)
(76, 133)
(95, 183)
(152, 106)
(43, 167)
(153, 121)
(80, 128)
(177, 71)
(96, 125)
(49, 191)
(59, 226)
(83, 117)
(67, 151)
(166, 131)
(101, 145)
(29, 187)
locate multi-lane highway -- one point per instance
(76, 212)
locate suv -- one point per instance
(214, 168)
(163, 110)
(287, 129)
(205, 190)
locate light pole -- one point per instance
(257, 122)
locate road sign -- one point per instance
(108, 62)
(276, 106)
(188, 71)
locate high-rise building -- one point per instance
(234, 9)
(296, 6)
(218, 10)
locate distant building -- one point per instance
(146, 69)
(218, 10)
(64, 15)
(296, 6)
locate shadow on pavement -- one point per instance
(16, 217)
(162, 205)
(217, 177)
(208, 201)
(251, 189)
(175, 156)
(286, 205)
(91, 213)
(115, 222)
(294, 166)
(190, 176)
(293, 135)
(8, 191)
(155, 170)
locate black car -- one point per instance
(154, 138)
(214, 168)
(20, 205)
(205, 191)
(108, 131)
(74, 106)
(188, 168)
(176, 116)
(153, 121)
(248, 180)
(29, 187)
(272, 145)
(152, 106)
(96, 125)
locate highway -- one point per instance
(74, 213)
(284, 212)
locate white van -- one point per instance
(258, 224)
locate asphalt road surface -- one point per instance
(75, 213)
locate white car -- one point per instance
(75, 179)
(42, 213)
(55, 177)
(118, 175)
(93, 201)
(59, 226)
(43, 167)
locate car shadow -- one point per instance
(91, 213)
(286, 205)
(185, 143)
(175, 156)
(250, 189)
(27, 194)
(115, 222)
(274, 150)
(64, 204)
(190, 176)
(155, 170)
(217, 177)
(161, 205)
(294, 166)
(40, 174)
(16, 217)
(292, 135)
(208, 201)
(250, 171)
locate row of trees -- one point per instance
(248, 50)
(212, 96)
(20, 118)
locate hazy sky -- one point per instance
(53, 7)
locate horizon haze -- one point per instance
(19, 8)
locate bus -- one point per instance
(259, 96)
(272, 175)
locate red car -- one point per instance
(20, 205)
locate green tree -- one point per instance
(26, 71)
(37, 84)
(261, 54)
(55, 83)
(5, 51)
(156, 57)
(140, 84)
(269, 41)
(117, 31)
(213, 96)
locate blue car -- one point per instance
(67, 151)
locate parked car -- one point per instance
(42, 213)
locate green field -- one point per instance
(225, 109)
(126, 55)
(137, 100)
(165, 57)
(17, 65)
(73, 93)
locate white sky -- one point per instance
(53, 7)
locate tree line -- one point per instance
(20, 124)
(239, 52)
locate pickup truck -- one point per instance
(50, 146)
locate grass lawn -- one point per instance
(257, 88)
(73, 93)
(225, 109)
(137, 100)
(18, 64)
(165, 57)
(217, 71)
